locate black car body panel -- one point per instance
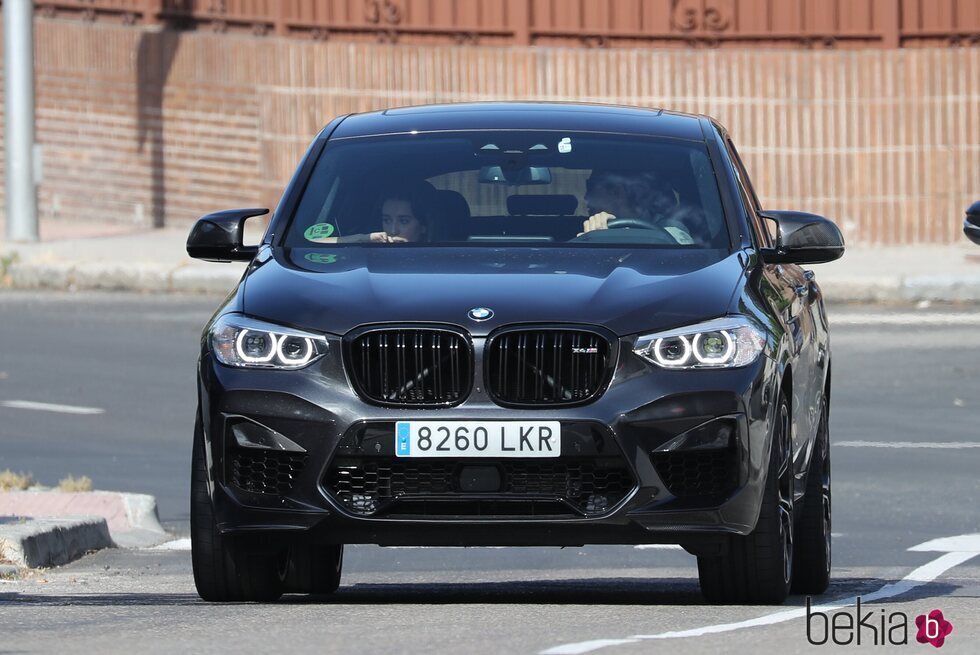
(522, 116)
(623, 435)
(624, 291)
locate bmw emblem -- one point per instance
(481, 313)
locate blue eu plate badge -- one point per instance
(403, 445)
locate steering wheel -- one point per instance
(638, 223)
(661, 234)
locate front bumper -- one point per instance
(639, 423)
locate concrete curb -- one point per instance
(130, 518)
(38, 542)
(145, 529)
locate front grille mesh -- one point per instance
(697, 472)
(407, 366)
(546, 367)
(266, 472)
(369, 485)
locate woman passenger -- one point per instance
(403, 217)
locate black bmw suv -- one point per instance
(508, 324)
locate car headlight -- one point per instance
(721, 343)
(249, 343)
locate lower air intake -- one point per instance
(265, 472)
(388, 486)
(698, 472)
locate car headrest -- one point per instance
(542, 205)
(453, 204)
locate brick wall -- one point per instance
(148, 126)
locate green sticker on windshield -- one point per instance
(318, 258)
(318, 231)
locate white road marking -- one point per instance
(957, 550)
(586, 646)
(908, 444)
(50, 407)
(906, 318)
(176, 544)
(658, 547)
(964, 543)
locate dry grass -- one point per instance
(10, 481)
(71, 483)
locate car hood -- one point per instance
(626, 290)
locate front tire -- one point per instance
(758, 567)
(226, 569)
(314, 568)
(811, 573)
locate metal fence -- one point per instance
(820, 24)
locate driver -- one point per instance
(611, 194)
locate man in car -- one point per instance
(611, 194)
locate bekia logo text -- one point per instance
(872, 627)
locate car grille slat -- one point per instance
(454, 364)
(502, 363)
(556, 358)
(539, 353)
(411, 366)
(547, 366)
(383, 364)
(574, 360)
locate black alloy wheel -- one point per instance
(758, 567)
(813, 533)
(785, 498)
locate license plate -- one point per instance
(478, 439)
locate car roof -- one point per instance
(580, 117)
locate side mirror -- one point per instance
(803, 239)
(971, 226)
(217, 237)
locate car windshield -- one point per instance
(512, 188)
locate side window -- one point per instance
(764, 229)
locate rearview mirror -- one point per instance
(971, 226)
(217, 237)
(515, 177)
(803, 239)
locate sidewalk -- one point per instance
(147, 261)
(154, 261)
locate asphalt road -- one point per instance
(902, 377)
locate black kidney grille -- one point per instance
(266, 472)
(411, 366)
(392, 486)
(698, 472)
(546, 367)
